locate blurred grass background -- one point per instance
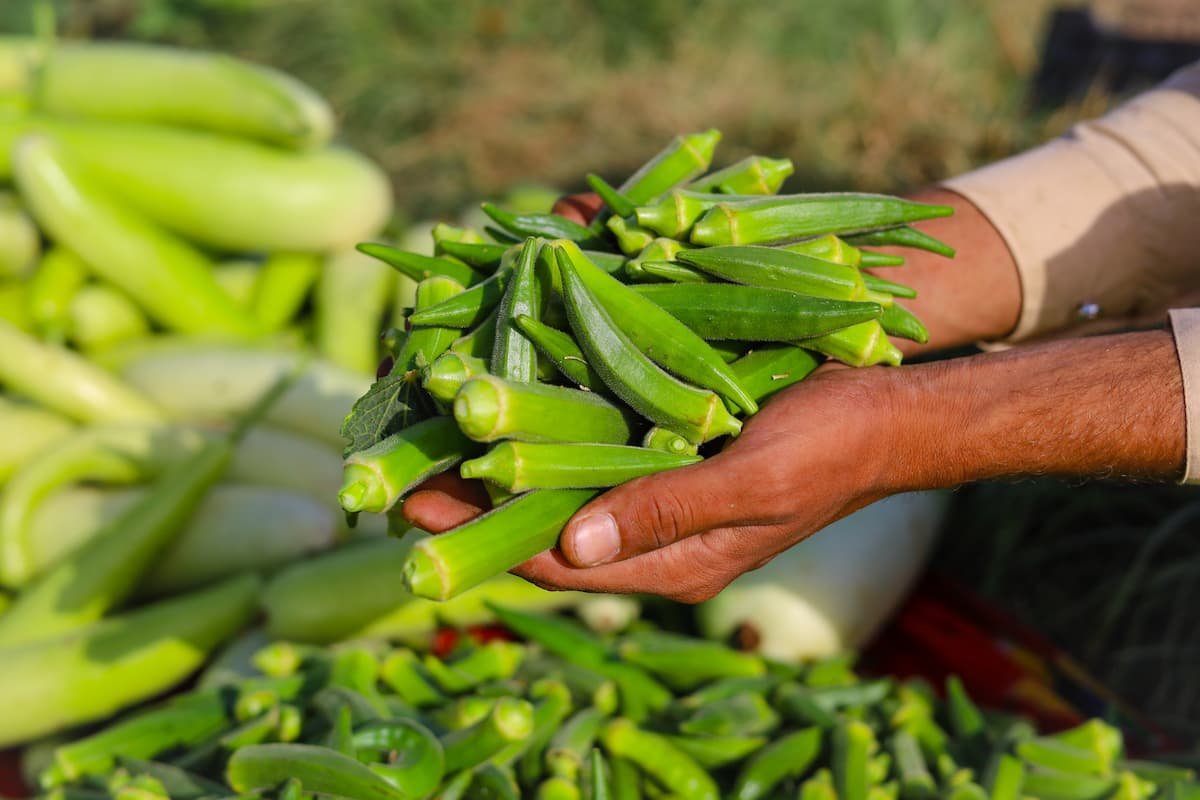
(468, 99)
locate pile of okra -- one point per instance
(560, 359)
(569, 715)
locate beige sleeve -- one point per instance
(1104, 226)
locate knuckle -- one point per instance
(669, 516)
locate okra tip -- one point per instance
(477, 408)
(424, 575)
(513, 717)
(361, 490)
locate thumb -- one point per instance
(649, 513)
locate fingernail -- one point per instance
(596, 539)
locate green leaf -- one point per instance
(392, 403)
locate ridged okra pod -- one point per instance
(789, 756)
(468, 308)
(775, 268)
(752, 175)
(767, 370)
(883, 286)
(728, 311)
(571, 743)
(829, 248)
(263, 767)
(422, 346)
(449, 371)
(488, 408)
(511, 720)
(852, 745)
(480, 256)
(376, 478)
(672, 272)
(685, 158)
(660, 250)
(899, 321)
(686, 662)
(904, 236)
(514, 357)
(714, 752)
(479, 341)
(785, 218)
(552, 704)
(561, 349)
(658, 757)
(521, 466)
(676, 211)
(631, 237)
(617, 203)
(614, 330)
(443, 566)
(549, 226)
(862, 345)
(420, 267)
(745, 714)
(870, 258)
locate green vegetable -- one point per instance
(488, 408)
(659, 250)
(59, 277)
(852, 745)
(50, 685)
(420, 267)
(549, 226)
(693, 413)
(829, 248)
(573, 741)
(1004, 778)
(262, 767)
(752, 313)
(521, 466)
(672, 272)
(869, 258)
(350, 300)
(1049, 785)
(668, 441)
(862, 345)
(769, 369)
(686, 662)
(63, 381)
(899, 321)
(631, 237)
(101, 317)
(745, 714)
(467, 309)
(789, 217)
(915, 779)
(104, 571)
(423, 346)
(658, 757)
(237, 278)
(284, 281)
(904, 236)
(553, 704)
(443, 566)
(376, 478)
(19, 239)
(449, 371)
(788, 757)
(876, 284)
(480, 340)
(600, 786)
(511, 720)
(168, 277)
(751, 175)
(25, 431)
(714, 752)
(618, 203)
(561, 349)
(14, 305)
(514, 357)
(675, 213)
(147, 83)
(480, 256)
(685, 158)
(779, 269)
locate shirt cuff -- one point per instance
(1185, 324)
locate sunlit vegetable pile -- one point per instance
(572, 715)
(686, 302)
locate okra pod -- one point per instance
(676, 211)
(492, 782)
(510, 720)
(862, 345)
(589, 689)
(852, 744)
(829, 248)
(631, 237)
(767, 370)
(264, 767)
(401, 672)
(904, 236)
(514, 357)
(746, 714)
(1051, 785)
(20, 242)
(466, 309)
(669, 271)
(573, 741)
(789, 217)
(422, 346)
(684, 159)
(415, 761)
(165, 274)
(102, 317)
(619, 204)
(549, 226)
(916, 782)
(449, 371)
(556, 788)
(480, 256)
(376, 478)
(86, 584)
(714, 752)
(421, 267)
(874, 283)
(553, 704)
(751, 313)
(563, 637)
(658, 757)
(496, 660)
(666, 341)
(899, 321)
(786, 758)
(443, 566)
(521, 466)
(869, 259)
(752, 175)
(668, 441)
(599, 781)
(560, 348)
(685, 662)
(774, 268)
(696, 414)
(478, 342)
(488, 408)
(58, 278)
(179, 784)
(1051, 754)
(1004, 778)
(724, 688)
(818, 787)
(611, 263)
(659, 250)
(1096, 736)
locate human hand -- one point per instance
(581, 208)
